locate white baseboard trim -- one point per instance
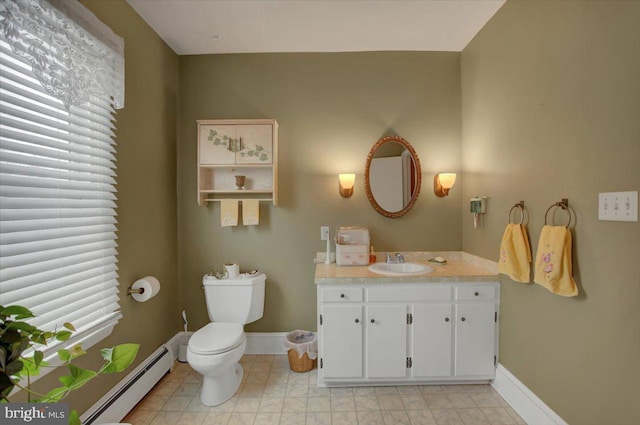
(266, 343)
(530, 408)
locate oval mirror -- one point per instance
(392, 176)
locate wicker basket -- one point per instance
(300, 364)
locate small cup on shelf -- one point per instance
(240, 182)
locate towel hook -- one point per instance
(564, 204)
(520, 206)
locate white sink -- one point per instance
(400, 269)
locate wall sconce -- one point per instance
(345, 185)
(442, 182)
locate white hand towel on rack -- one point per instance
(250, 212)
(228, 212)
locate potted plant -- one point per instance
(18, 336)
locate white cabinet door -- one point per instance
(217, 144)
(236, 144)
(475, 339)
(341, 336)
(386, 341)
(432, 340)
(255, 144)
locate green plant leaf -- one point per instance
(63, 335)
(22, 326)
(3, 357)
(14, 367)
(107, 353)
(20, 312)
(74, 419)
(6, 385)
(121, 357)
(77, 351)
(37, 357)
(54, 396)
(77, 378)
(11, 336)
(30, 367)
(39, 338)
(64, 355)
(69, 326)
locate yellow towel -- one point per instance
(228, 212)
(553, 261)
(515, 253)
(250, 212)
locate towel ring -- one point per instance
(520, 206)
(564, 204)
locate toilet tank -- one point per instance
(238, 300)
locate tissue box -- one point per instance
(352, 255)
(352, 246)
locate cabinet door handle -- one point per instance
(341, 295)
(373, 320)
(357, 320)
(476, 293)
(463, 319)
(446, 319)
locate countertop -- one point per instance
(460, 267)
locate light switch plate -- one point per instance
(324, 233)
(618, 206)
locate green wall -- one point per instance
(146, 168)
(331, 109)
(550, 110)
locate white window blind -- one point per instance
(57, 203)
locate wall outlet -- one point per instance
(324, 233)
(618, 206)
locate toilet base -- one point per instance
(221, 387)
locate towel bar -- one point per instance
(564, 204)
(519, 205)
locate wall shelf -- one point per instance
(228, 148)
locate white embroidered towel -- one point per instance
(250, 212)
(228, 212)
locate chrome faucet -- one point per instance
(399, 258)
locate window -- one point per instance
(57, 178)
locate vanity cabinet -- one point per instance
(386, 340)
(343, 325)
(407, 333)
(433, 339)
(342, 317)
(230, 148)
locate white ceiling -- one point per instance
(193, 27)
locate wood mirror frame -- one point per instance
(416, 181)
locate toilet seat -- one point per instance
(216, 338)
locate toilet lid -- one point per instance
(216, 338)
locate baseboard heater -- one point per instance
(127, 393)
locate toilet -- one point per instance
(214, 350)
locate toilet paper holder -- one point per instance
(135, 291)
(144, 289)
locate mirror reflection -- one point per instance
(392, 176)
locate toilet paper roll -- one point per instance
(150, 288)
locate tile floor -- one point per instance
(271, 394)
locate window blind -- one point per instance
(57, 204)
